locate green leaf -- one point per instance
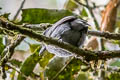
(84, 13)
(45, 59)
(82, 76)
(39, 15)
(33, 47)
(72, 68)
(1, 45)
(115, 63)
(55, 65)
(70, 5)
(6, 15)
(114, 76)
(29, 64)
(15, 62)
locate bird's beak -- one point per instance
(89, 27)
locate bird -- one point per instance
(70, 30)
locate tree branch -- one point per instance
(94, 7)
(87, 54)
(7, 53)
(106, 35)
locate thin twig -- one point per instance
(76, 1)
(21, 6)
(14, 68)
(94, 7)
(91, 12)
(7, 53)
(93, 16)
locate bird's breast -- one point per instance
(72, 37)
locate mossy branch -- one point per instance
(86, 54)
(106, 35)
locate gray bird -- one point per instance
(70, 30)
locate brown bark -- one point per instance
(107, 23)
(109, 16)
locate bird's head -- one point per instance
(79, 25)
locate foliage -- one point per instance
(37, 16)
(84, 13)
(29, 64)
(1, 44)
(114, 76)
(52, 67)
(70, 5)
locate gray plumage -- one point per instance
(70, 30)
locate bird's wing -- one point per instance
(49, 32)
(60, 30)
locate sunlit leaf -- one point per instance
(60, 68)
(82, 76)
(70, 5)
(29, 64)
(72, 68)
(1, 44)
(55, 65)
(33, 47)
(84, 13)
(15, 62)
(114, 76)
(45, 59)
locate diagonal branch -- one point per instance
(87, 54)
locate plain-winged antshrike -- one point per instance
(70, 30)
